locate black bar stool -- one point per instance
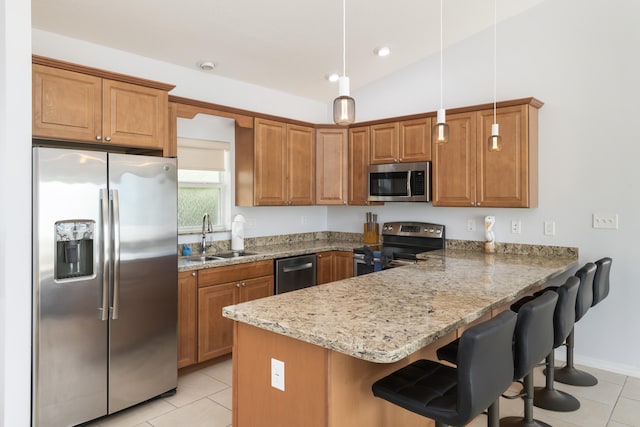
(533, 341)
(569, 374)
(563, 320)
(601, 280)
(454, 396)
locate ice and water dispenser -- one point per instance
(74, 249)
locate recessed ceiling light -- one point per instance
(382, 51)
(207, 66)
(333, 77)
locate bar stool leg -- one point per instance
(493, 414)
(569, 374)
(528, 420)
(549, 398)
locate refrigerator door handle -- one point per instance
(105, 258)
(115, 203)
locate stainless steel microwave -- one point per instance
(400, 182)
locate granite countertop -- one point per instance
(270, 252)
(386, 316)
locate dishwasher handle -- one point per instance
(297, 267)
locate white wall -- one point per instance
(15, 214)
(580, 58)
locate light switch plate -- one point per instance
(549, 228)
(277, 374)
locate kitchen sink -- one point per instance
(234, 254)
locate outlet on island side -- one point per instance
(277, 374)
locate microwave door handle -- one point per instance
(409, 183)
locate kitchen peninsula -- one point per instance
(335, 340)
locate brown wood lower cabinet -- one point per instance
(334, 265)
(203, 332)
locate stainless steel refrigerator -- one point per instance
(104, 283)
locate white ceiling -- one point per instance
(287, 45)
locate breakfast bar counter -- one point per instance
(336, 339)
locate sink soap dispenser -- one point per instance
(237, 233)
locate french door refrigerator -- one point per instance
(104, 283)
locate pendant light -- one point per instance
(440, 132)
(495, 140)
(344, 107)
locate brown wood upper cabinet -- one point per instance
(465, 173)
(359, 147)
(284, 164)
(406, 141)
(73, 106)
(332, 166)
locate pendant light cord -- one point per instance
(441, 68)
(344, 38)
(494, 59)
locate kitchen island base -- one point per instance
(323, 388)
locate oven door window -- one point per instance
(388, 183)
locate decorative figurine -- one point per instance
(490, 243)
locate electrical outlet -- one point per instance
(516, 226)
(277, 374)
(549, 228)
(471, 225)
(251, 222)
(304, 220)
(609, 221)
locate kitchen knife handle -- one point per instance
(115, 205)
(104, 244)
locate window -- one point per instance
(203, 184)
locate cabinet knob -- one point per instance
(237, 285)
(344, 202)
(98, 137)
(193, 274)
(108, 139)
(244, 285)
(478, 204)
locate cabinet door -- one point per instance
(332, 161)
(358, 166)
(215, 332)
(324, 267)
(66, 105)
(503, 176)
(384, 143)
(415, 140)
(252, 289)
(133, 115)
(454, 163)
(301, 165)
(270, 163)
(342, 265)
(187, 318)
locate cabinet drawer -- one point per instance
(232, 273)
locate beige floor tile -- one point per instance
(617, 424)
(138, 414)
(202, 413)
(220, 371)
(590, 414)
(603, 375)
(631, 388)
(603, 392)
(143, 425)
(223, 397)
(627, 411)
(194, 386)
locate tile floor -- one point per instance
(204, 399)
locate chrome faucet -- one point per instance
(206, 228)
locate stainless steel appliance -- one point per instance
(294, 273)
(400, 182)
(401, 242)
(104, 283)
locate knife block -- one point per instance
(371, 237)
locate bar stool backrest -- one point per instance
(564, 316)
(601, 280)
(585, 292)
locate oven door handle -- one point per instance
(297, 267)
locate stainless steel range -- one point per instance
(401, 243)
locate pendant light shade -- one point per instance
(495, 140)
(440, 132)
(344, 106)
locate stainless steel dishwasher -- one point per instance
(294, 273)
